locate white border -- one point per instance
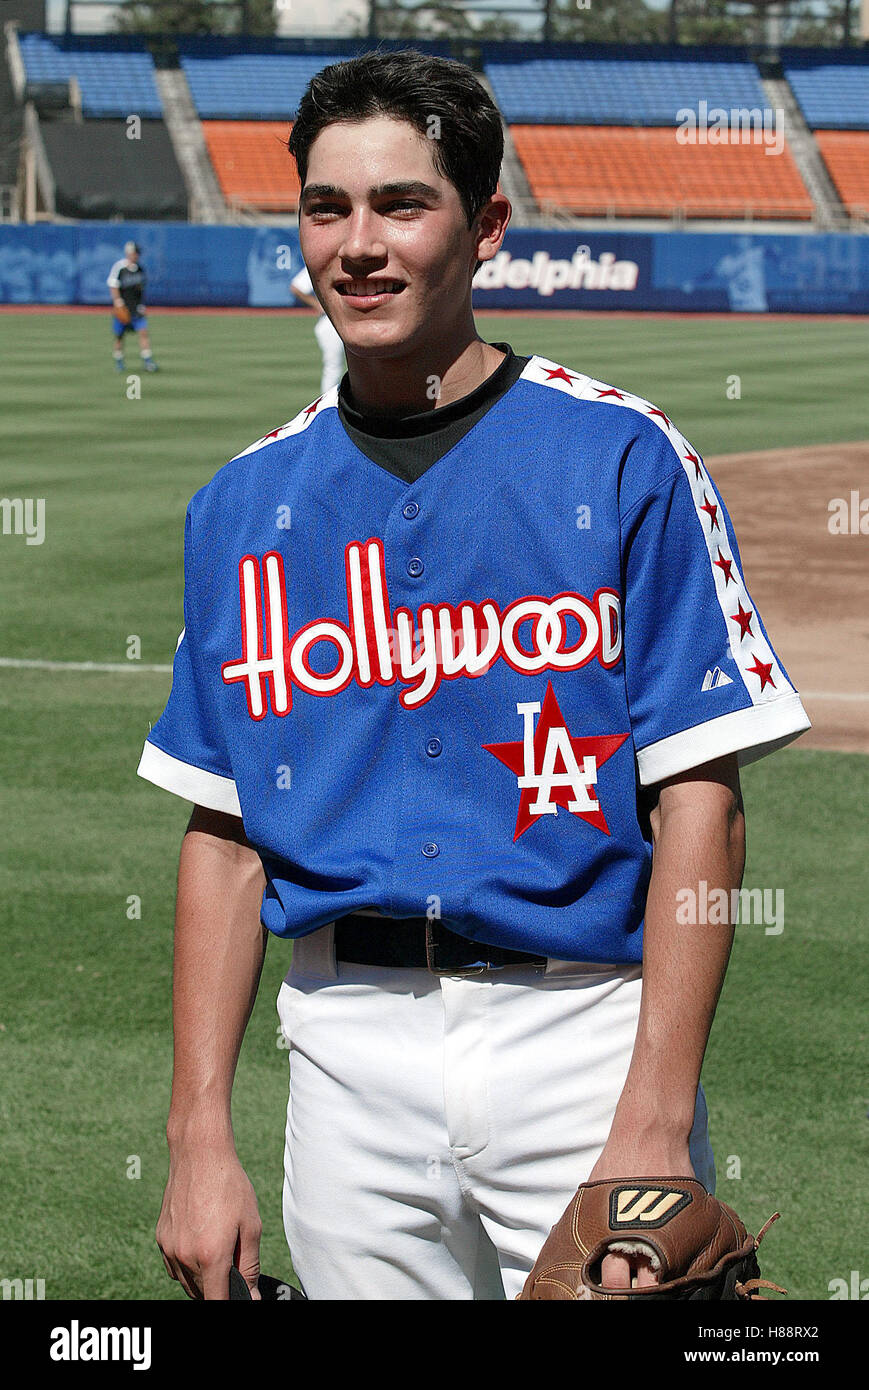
(193, 783)
(296, 425)
(751, 732)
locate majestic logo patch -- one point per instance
(377, 647)
(569, 785)
(645, 1207)
(713, 679)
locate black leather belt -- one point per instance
(415, 943)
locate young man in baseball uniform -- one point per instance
(463, 732)
(127, 281)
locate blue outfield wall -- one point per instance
(536, 269)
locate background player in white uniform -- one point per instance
(127, 281)
(464, 752)
(329, 343)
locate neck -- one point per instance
(408, 385)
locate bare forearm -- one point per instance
(683, 971)
(684, 963)
(219, 951)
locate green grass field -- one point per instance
(85, 992)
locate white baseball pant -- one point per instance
(332, 349)
(438, 1126)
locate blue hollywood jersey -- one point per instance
(445, 697)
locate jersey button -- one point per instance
(430, 850)
(410, 510)
(433, 747)
(415, 567)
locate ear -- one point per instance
(491, 224)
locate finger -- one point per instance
(188, 1281)
(215, 1281)
(615, 1272)
(645, 1274)
(246, 1259)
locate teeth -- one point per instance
(368, 287)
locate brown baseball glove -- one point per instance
(123, 314)
(697, 1245)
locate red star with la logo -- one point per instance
(711, 511)
(311, 408)
(655, 411)
(698, 471)
(743, 617)
(610, 391)
(559, 374)
(590, 752)
(725, 566)
(764, 670)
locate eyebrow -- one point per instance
(406, 187)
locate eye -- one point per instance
(404, 204)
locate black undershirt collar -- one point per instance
(407, 445)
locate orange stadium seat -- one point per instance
(252, 164)
(846, 155)
(626, 171)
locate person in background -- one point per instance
(330, 344)
(127, 280)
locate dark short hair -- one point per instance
(418, 88)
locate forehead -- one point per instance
(381, 149)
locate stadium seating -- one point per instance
(831, 87)
(618, 85)
(846, 155)
(252, 164)
(237, 79)
(613, 170)
(115, 75)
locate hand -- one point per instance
(625, 1157)
(209, 1219)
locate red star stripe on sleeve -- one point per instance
(311, 408)
(743, 617)
(763, 669)
(711, 511)
(726, 567)
(692, 458)
(655, 411)
(610, 391)
(559, 374)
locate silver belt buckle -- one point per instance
(431, 947)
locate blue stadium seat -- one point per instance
(831, 86)
(598, 84)
(237, 79)
(116, 75)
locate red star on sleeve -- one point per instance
(272, 434)
(725, 566)
(712, 511)
(698, 471)
(654, 411)
(311, 408)
(559, 374)
(763, 669)
(743, 617)
(610, 391)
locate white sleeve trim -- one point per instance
(113, 282)
(193, 783)
(751, 732)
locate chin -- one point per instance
(377, 340)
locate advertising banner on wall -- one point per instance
(535, 270)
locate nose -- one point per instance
(362, 243)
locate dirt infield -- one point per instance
(809, 584)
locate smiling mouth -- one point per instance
(369, 289)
